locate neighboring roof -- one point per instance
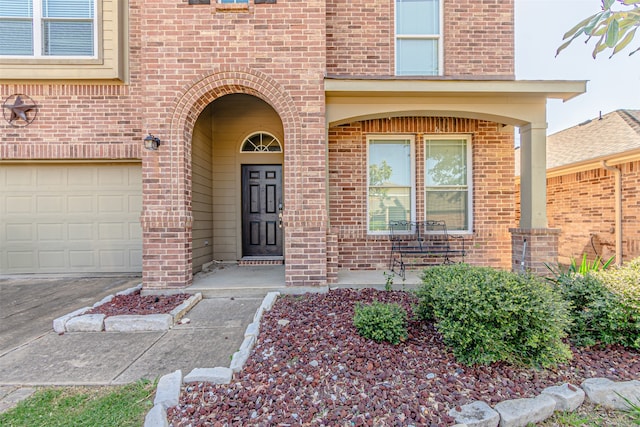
(614, 133)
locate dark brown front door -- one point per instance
(261, 209)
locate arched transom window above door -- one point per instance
(261, 142)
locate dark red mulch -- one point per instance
(135, 303)
(317, 370)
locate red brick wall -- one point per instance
(492, 152)
(478, 38)
(73, 122)
(582, 206)
(360, 37)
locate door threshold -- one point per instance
(261, 260)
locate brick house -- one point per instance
(280, 124)
(593, 181)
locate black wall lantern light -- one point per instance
(151, 142)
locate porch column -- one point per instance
(533, 243)
(533, 176)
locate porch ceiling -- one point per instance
(512, 102)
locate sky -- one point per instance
(612, 83)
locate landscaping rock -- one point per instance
(609, 394)
(60, 322)
(520, 412)
(248, 343)
(130, 290)
(476, 414)
(178, 312)
(269, 300)
(239, 359)
(86, 323)
(135, 323)
(168, 390)
(156, 417)
(567, 396)
(252, 329)
(104, 300)
(217, 375)
(283, 322)
(421, 373)
(258, 316)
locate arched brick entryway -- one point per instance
(167, 217)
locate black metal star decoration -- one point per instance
(16, 108)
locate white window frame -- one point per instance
(453, 137)
(412, 164)
(275, 139)
(37, 24)
(437, 37)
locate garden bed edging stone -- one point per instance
(78, 321)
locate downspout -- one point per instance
(617, 174)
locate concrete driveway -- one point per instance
(28, 305)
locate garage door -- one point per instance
(70, 218)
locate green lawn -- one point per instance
(590, 415)
(119, 406)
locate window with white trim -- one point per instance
(448, 177)
(391, 183)
(261, 142)
(418, 37)
(48, 28)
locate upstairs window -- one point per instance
(418, 37)
(48, 28)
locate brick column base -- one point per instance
(306, 255)
(532, 248)
(166, 251)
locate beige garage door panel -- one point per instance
(78, 218)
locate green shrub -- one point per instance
(605, 306)
(625, 282)
(381, 322)
(561, 273)
(487, 315)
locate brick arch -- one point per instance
(206, 89)
(201, 92)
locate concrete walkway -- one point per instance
(31, 354)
